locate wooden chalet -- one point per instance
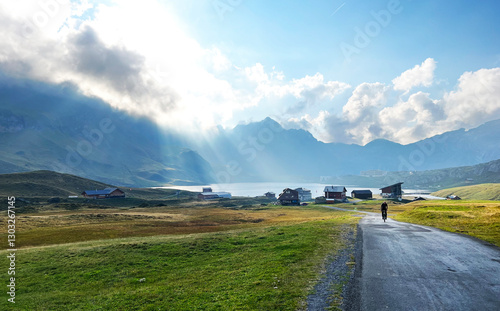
(289, 197)
(392, 191)
(335, 194)
(106, 193)
(361, 194)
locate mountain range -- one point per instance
(264, 151)
(53, 127)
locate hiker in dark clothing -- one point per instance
(384, 208)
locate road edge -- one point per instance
(352, 294)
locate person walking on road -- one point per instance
(384, 208)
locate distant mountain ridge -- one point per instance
(47, 127)
(53, 127)
(264, 151)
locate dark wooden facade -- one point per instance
(392, 191)
(289, 197)
(335, 193)
(361, 194)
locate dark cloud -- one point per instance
(117, 68)
(92, 57)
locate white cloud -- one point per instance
(365, 99)
(408, 121)
(136, 56)
(476, 99)
(374, 111)
(420, 75)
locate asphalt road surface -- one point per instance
(412, 267)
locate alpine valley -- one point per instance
(53, 127)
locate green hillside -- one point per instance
(475, 192)
(45, 183)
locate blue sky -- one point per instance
(305, 37)
(347, 71)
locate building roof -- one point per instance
(334, 189)
(101, 192)
(302, 189)
(396, 184)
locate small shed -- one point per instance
(392, 191)
(453, 197)
(361, 194)
(104, 194)
(270, 195)
(335, 194)
(289, 197)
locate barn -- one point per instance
(106, 193)
(361, 194)
(335, 193)
(289, 197)
(392, 191)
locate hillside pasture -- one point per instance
(489, 191)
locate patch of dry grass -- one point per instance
(56, 227)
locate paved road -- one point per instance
(411, 267)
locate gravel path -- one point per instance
(337, 273)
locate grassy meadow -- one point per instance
(480, 219)
(196, 257)
(489, 191)
(160, 249)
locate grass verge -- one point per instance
(480, 219)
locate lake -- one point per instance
(259, 188)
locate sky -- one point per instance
(347, 71)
